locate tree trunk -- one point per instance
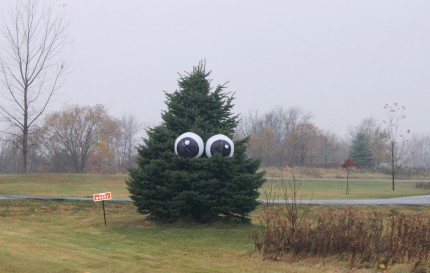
(24, 151)
(25, 131)
(347, 182)
(393, 170)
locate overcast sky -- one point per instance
(340, 60)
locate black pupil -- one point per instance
(222, 147)
(187, 147)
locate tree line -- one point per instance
(88, 139)
(288, 137)
(75, 139)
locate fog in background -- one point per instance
(340, 60)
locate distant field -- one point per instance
(336, 188)
(85, 185)
(339, 173)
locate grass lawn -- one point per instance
(70, 236)
(336, 188)
(85, 185)
(49, 236)
(62, 185)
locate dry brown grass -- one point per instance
(365, 237)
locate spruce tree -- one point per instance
(166, 186)
(360, 151)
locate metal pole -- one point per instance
(104, 213)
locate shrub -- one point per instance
(370, 238)
(422, 185)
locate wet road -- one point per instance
(422, 200)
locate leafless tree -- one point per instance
(9, 155)
(287, 136)
(130, 128)
(74, 132)
(396, 138)
(30, 66)
(419, 152)
(272, 134)
(331, 149)
(284, 123)
(250, 124)
(302, 141)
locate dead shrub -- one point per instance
(368, 239)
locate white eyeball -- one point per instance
(189, 145)
(219, 144)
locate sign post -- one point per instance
(104, 213)
(102, 197)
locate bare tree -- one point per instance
(347, 165)
(331, 149)
(250, 124)
(419, 148)
(284, 124)
(286, 136)
(74, 132)
(9, 155)
(395, 138)
(116, 149)
(30, 66)
(302, 141)
(272, 133)
(130, 128)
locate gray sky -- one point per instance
(340, 60)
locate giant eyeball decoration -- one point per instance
(189, 145)
(219, 144)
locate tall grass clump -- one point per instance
(295, 230)
(281, 223)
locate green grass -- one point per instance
(70, 236)
(61, 185)
(85, 185)
(335, 189)
(48, 236)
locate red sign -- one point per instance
(102, 196)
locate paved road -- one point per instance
(422, 200)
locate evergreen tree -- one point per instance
(166, 186)
(360, 151)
